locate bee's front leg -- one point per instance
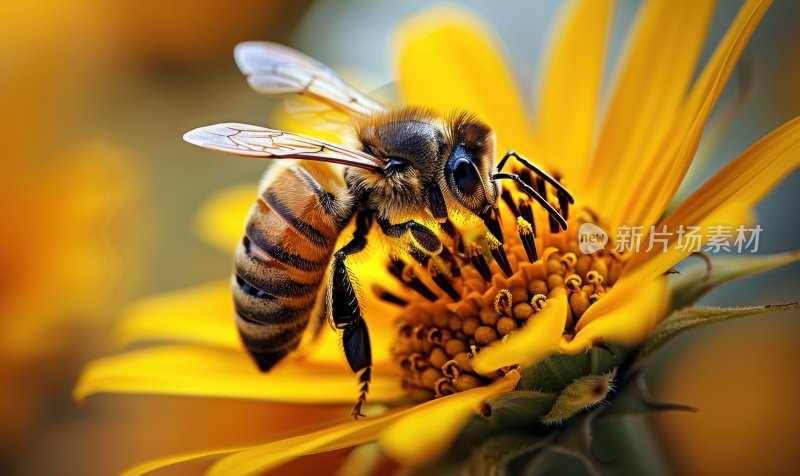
(345, 310)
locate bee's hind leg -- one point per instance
(346, 312)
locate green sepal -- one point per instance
(510, 411)
(689, 286)
(694, 317)
(520, 409)
(554, 373)
(583, 393)
(494, 455)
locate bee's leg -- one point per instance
(423, 236)
(541, 173)
(346, 312)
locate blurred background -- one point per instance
(100, 200)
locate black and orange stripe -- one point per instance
(282, 260)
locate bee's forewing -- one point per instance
(254, 141)
(276, 69)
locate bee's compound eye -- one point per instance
(466, 176)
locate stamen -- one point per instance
(526, 212)
(541, 187)
(526, 176)
(503, 301)
(434, 335)
(569, 259)
(594, 277)
(417, 362)
(499, 254)
(509, 201)
(411, 280)
(573, 282)
(526, 235)
(458, 243)
(384, 295)
(444, 284)
(448, 258)
(563, 204)
(538, 302)
(491, 220)
(479, 262)
(443, 387)
(451, 369)
(554, 227)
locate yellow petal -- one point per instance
(660, 177)
(213, 372)
(448, 58)
(737, 187)
(201, 314)
(535, 341)
(431, 428)
(571, 88)
(629, 323)
(392, 428)
(160, 463)
(220, 221)
(662, 52)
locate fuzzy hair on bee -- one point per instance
(416, 143)
(413, 171)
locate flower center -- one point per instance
(479, 290)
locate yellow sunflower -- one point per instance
(528, 333)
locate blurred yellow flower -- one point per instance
(64, 265)
(68, 199)
(623, 168)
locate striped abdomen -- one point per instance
(283, 258)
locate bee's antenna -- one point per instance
(541, 173)
(536, 196)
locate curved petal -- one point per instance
(220, 220)
(431, 428)
(535, 341)
(449, 59)
(395, 440)
(570, 92)
(661, 175)
(212, 372)
(627, 324)
(662, 52)
(201, 314)
(738, 186)
(160, 463)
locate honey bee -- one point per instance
(414, 169)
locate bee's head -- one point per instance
(431, 164)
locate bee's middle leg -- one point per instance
(346, 311)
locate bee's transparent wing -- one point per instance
(260, 142)
(276, 69)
